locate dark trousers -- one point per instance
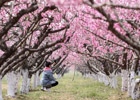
(52, 85)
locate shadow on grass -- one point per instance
(19, 97)
(35, 90)
(22, 97)
(52, 91)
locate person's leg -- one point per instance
(51, 84)
(48, 86)
(54, 83)
(43, 88)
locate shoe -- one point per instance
(48, 90)
(42, 90)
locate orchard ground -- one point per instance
(68, 89)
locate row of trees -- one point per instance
(115, 44)
(29, 34)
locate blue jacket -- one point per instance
(47, 77)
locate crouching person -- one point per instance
(48, 80)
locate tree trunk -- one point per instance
(34, 81)
(12, 79)
(95, 76)
(17, 81)
(0, 88)
(100, 79)
(135, 90)
(37, 79)
(106, 80)
(113, 81)
(124, 74)
(88, 75)
(24, 85)
(139, 73)
(58, 76)
(131, 82)
(28, 85)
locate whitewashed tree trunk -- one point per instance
(113, 81)
(134, 83)
(17, 81)
(100, 79)
(37, 79)
(131, 81)
(24, 84)
(88, 75)
(135, 90)
(1, 88)
(11, 84)
(105, 80)
(124, 74)
(28, 85)
(12, 79)
(58, 76)
(95, 76)
(139, 73)
(34, 81)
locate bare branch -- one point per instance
(39, 67)
(2, 2)
(89, 55)
(107, 40)
(58, 30)
(49, 45)
(135, 45)
(112, 5)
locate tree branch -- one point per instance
(112, 5)
(2, 2)
(14, 20)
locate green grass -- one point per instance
(78, 89)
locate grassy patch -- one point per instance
(68, 89)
